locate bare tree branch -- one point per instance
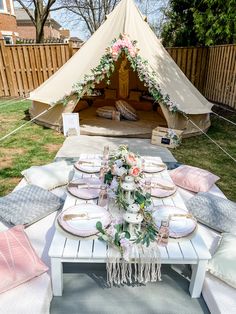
(41, 10)
(26, 8)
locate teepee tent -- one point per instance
(124, 19)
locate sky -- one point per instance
(76, 28)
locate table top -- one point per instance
(187, 250)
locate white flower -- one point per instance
(121, 171)
(119, 162)
(114, 184)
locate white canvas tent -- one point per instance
(125, 18)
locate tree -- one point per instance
(93, 13)
(38, 15)
(206, 22)
(90, 13)
(215, 22)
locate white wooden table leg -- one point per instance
(197, 278)
(57, 276)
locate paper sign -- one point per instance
(71, 124)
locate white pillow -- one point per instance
(49, 176)
(223, 263)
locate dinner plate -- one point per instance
(181, 222)
(152, 166)
(81, 219)
(85, 188)
(89, 165)
(161, 188)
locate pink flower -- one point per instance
(131, 160)
(134, 171)
(124, 243)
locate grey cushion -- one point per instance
(126, 110)
(105, 112)
(213, 211)
(28, 205)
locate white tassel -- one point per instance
(146, 261)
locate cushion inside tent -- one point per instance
(91, 124)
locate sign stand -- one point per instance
(71, 124)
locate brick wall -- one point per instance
(28, 32)
(7, 23)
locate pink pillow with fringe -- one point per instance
(193, 179)
(18, 260)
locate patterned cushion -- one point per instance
(28, 205)
(216, 212)
(126, 110)
(18, 260)
(106, 112)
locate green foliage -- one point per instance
(120, 233)
(206, 22)
(108, 177)
(215, 22)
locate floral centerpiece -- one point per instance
(133, 231)
(123, 163)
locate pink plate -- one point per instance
(89, 165)
(181, 223)
(160, 187)
(81, 219)
(79, 188)
(152, 165)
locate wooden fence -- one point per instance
(212, 70)
(23, 67)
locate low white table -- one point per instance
(191, 250)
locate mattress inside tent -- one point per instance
(91, 124)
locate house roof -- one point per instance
(23, 18)
(77, 39)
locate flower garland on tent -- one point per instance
(107, 66)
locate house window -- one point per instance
(8, 39)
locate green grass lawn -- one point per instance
(32, 145)
(35, 145)
(200, 152)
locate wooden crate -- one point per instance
(160, 137)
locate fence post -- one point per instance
(8, 69)
(206, 72)
(70, 45)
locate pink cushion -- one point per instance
(193, 178)
(18, 260)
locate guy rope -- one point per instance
(213, 141)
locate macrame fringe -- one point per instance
(144, 267)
